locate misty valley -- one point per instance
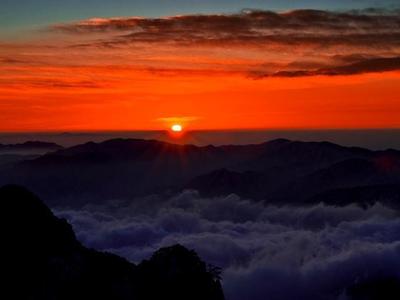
(234, 222)
(200, 150)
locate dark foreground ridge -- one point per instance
(42, 259)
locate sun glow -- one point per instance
(176, 128)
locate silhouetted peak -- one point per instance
(316, 145)
(115, 149)
(32, 223)
(278, 141)
(310, 153)
(119, 143)
(41, 259)
(150, 150)
(177, 259)
(181, 275)
(18, 201)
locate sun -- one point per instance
(176, 128)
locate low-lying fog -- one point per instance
(265, 251)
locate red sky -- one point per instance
(250, 70)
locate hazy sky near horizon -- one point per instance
(140, 65)
(370, 139)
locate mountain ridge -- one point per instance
(276, 171)
(42, 259)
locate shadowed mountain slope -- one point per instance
(42, 259)
(223, 182)
(14, 153)
(364, 196)
(278, 171)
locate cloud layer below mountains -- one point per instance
(279, 252)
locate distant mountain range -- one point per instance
(42, 260)
(13, 153)
(278, 171)
(30, 147)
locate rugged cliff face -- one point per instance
(42, 259)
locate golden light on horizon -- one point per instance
(201, 85)
(176, 128)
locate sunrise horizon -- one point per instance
(188, 129)
(200, 150)
(234, 68)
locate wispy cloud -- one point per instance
(271, 64)
(281, 39)
(363, 65)
(253, 27)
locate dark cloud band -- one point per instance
(371, 38)
(363, 65)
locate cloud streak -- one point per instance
(283, 61)
(367, 65)
(254, 27)
(304, 35)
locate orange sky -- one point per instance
(142, 100)
(56, 83)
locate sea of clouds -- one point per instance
(266, 252)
